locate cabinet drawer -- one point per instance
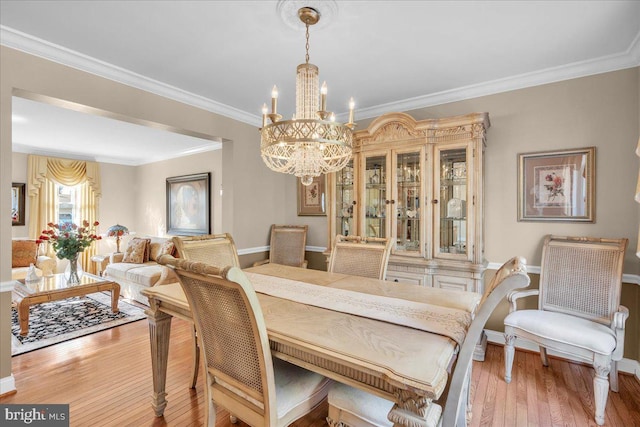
(412, 279)
(453, 282)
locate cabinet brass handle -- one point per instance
(434, 201)
(354, 202)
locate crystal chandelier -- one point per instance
(312, 142)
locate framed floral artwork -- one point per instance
(188, 204)
(312, 197)
(557, 185)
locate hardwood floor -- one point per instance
(106, 379)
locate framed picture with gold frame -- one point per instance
(17, 203)
(312, 197)
(557, 185)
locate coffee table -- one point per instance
(55, 288)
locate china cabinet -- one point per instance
(419, 183)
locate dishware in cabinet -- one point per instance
(374, 217)
(450, 208)
(345, 211)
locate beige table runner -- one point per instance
(449, 322)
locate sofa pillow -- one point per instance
(157, 249)
(167, 248)
(136, 251)
(23, 253)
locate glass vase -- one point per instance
(73, 271)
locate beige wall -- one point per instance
(600, 111)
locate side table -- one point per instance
(101, 262)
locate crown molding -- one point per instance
(44, 49)
(627, 59)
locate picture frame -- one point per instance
(312, 197)
(557, 185)
(188, 204)
(17, 203)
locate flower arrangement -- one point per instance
(68, 240)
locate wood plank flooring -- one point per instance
(106, 379)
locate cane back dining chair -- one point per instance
(241, 374)
(579, 312)
(360, 256)
(287, 245)
(352, 407)
(218, 250)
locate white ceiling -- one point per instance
(224, 56)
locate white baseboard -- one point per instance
(628, 366)
(7, 385)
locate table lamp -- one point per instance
(118, 231)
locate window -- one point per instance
(68, 209)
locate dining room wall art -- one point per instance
(312, 197)
(557, 185)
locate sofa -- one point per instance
(136, 268)
(25, 252)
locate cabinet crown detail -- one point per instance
(396, 127)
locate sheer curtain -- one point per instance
(43, 175)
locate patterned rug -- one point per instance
(54, 322)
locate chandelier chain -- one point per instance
(306, 46)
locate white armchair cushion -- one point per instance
(564, 328)
(353, 401)
(298, 390)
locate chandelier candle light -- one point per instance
(312, 142)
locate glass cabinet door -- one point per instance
(345, 201)
(375, 196)
(407, 206)
(451, 220)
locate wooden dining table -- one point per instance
(404, 364)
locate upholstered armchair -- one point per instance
(23, 254)
(287, 245)
(579, 312)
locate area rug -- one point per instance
(54, 322)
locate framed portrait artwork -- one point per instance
(17, 203)
(557, 185)
(188, 204)
(312, 197)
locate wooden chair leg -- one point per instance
(602, 366)
(543, 356)
(509, 351)
(195, 356)
(613, 376)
